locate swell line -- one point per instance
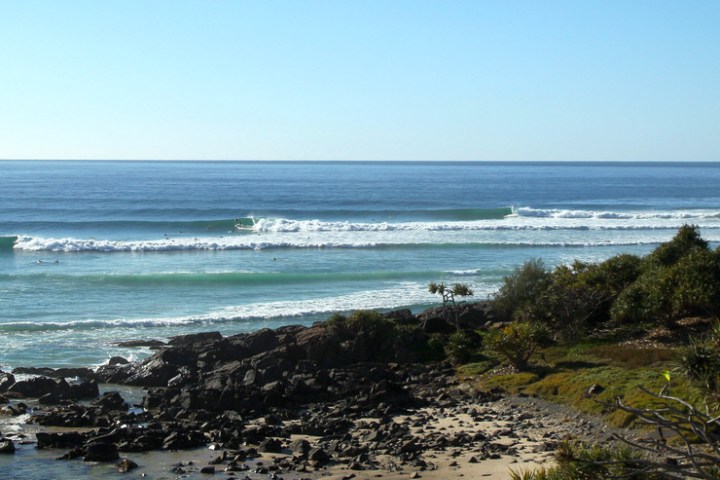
(225, 278)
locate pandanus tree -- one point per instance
(448, 295)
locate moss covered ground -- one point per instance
(587, 376)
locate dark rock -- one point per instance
(195, 338)
(6, 380)
(84, 390)
(437, 325)
(72, 454)
(320, 346)
(300, 447)
(261, 341)
(318, 455)
(84, 373)
(153, 372)
(208, 470)
(271, 445)
(141, 343)
(402, 317)
(50, 398)
(111, 401)
(6, 446)
(126, 465)
(101, 452)
(59, 440)
(118, 361)
(39, 386)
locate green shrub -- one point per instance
(665, 292)
(568, 305)
(521, 290)
(685, 240)
(578, 461)
(517, 341)
(696, 281)
(462, 345)
(649, 298)
(369, 322)
(699, 362)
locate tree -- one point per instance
(448, 297)
(517, 342)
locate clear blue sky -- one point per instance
(360, 79)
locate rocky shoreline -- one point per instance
(295, 402)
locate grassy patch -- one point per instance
(630, 356)
(477, 368)
(510, 383)
(566, 375)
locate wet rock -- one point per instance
(195, 338)
(6, 380)
(111, 401)
(83, 391)
(50, 398)
(271, 445)
(126, 465)
(141, 343)
(318, 456)
(118, 361)
(300, 447)
(101, 452)
(82, 373)
(6, 446)
(59, 440)
(39, 386)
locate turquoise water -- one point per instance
(92, 253)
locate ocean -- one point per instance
(94, 253)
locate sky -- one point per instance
(629, 80)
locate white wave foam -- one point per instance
(402, 295)
(637, 215)
(333, 241)
(466, 273)
(527, 227)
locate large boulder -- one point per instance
(81, 372)
(195, 339)
(38, 386)
(6, 380)
(319, 345)
(6, 446)
(101, 452)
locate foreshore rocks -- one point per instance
(342, 387)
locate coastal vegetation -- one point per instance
(635, 339)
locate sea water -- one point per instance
(94, 253)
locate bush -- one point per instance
(666, 292)
(521, 290)
(568, 305)
(685, 240)
(649, 298)
(699, 362)
(462, 345)
(696, 281)
(370, 322)
(517, 342)
(577, 460)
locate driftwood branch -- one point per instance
(692, 450)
